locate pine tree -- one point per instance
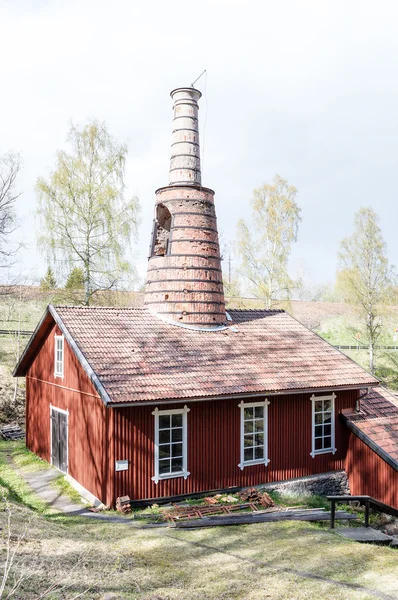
(75, 279)
(48, 282)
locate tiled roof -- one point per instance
(138, 357)
(378, 421)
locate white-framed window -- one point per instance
(58, 355)
(253, 433)
(171, 435)
(323, 424)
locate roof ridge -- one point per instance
(81, 307)
(257, 310)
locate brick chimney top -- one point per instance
(184, 284)
(185, 149)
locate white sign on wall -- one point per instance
(122, 465)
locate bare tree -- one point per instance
(10, 165)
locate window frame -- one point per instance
(259, 461)
(184, 473)
(56, 361)
(332, 449)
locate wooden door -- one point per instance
(59, 439)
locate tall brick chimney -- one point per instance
(184, 282)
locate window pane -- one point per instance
(176, 465)
(327, 429)
(318, 405)
(259, 439)
(248, 454)
(248, 440)
(327, 405)
(259, 425)
(176, 420)
(259, 452)
(318, 418)
(164, 451)
(327, 418)
(164, 466)
(318, 444)
(318, 431)
(176, 450)
(176, 435)
(259, 412)
(164, 421)
(249, 413)
(249, 426)
(327, 443)
(164, 436)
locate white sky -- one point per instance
(304, 88)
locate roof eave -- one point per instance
(91, 374)
(370, 443)
(19, 371)
(313, 390)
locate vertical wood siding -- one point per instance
(214, 446)
(369, 475)
(87, 422)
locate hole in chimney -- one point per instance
(161, 234)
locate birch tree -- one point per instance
(264, 245)
(85, 218)
(365, 277)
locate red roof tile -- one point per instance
(138, 357)
(378, 421)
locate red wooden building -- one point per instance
(181, 397)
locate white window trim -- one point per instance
(56, 338)
(65, 412)
(184, 473)
(260, 461)
(332, 449)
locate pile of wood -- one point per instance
(12, 432)
(184, 513)
(254, 495)
(123, 504)
(221, 504)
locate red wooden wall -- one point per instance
(214, 446)
(88, 460)
(369, 475)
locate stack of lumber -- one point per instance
(12, 432)
(123, 504)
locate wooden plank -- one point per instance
(364, 535)
(262, 517)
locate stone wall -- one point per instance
(326, 484)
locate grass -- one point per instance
(281, 561)
(65, 488)
(12, 486)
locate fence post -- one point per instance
(332, 514)
(367, 513)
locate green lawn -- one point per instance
(281, 561)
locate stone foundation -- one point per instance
(325, 484)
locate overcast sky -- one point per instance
(305, 89)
